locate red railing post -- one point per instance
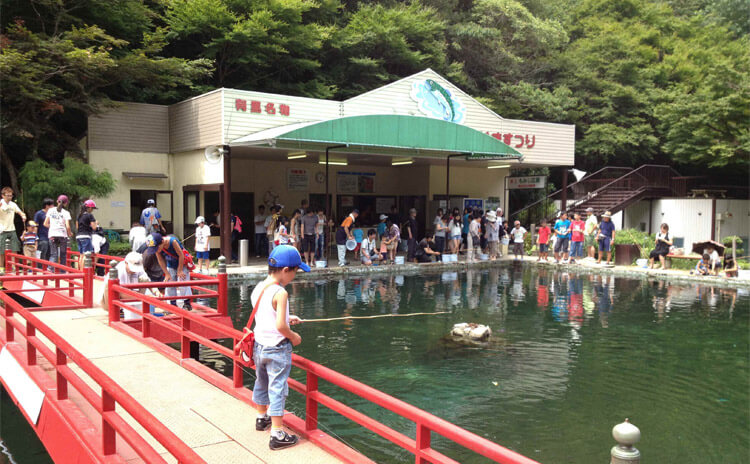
(114, 311)
(184, 338)
(62, 383)
(423, 442)
(88, 281)
(109, 435)
(237, 373)
(30, 348)
(145, 323)
(9, 332)
(222, 300)
(311, 405)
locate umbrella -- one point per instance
(698, 247)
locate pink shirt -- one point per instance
(576, 228)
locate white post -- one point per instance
(626, 435)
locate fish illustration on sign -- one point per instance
(436, 101)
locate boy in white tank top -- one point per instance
(272, 351)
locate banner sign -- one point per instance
(356, 182)
(472, 203)
(527, 182)
(297, 179)
(486, 157)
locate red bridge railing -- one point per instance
(50, 277)
(112, 423)
(188, 324)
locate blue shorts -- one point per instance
(576, 249)
(543, 248)
(201, 255)
(272, 367)
(84, 245)
(455, 237)
(605, 244)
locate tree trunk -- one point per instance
(8, 165)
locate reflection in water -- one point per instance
(571, 355)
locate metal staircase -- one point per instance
(614, 189)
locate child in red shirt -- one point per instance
(576, 242)
(543, 240)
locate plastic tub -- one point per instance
(399, 260)
(483, 257)
(321, 264)
(642, 262)
(447, 258)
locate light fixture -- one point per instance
(296, 155)
(499, 166)
(401, 161)
(334, 163)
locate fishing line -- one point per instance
(373, 317)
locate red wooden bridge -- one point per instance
(100, 389)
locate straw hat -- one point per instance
(607, 214)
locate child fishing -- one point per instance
(272, 350)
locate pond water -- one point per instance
(571, 355)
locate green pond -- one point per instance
(571, 355)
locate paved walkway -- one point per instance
(219, 427)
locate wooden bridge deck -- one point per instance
(218, 426)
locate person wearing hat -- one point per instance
(58, 223)
(590, 232)
(344, 233)
(382, 226)
(274, 339)
(151, 218)
(202, 247)
(493, 234)
(86, 227)
(606, 237)
(8, 211)
(30, 239)
(130, 270)
(169, 253)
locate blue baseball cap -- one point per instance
(287, 256)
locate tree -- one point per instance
(78, 180)
(55, 71)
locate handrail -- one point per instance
(113, 423)
(15, 262)
(586, 178)
(426, 423)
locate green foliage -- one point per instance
(76, 179)
(119, 248)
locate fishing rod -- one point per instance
(372, 317)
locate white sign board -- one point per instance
(297, 179)
(29, 396)
(527, 182)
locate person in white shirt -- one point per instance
(58, 222)
(202, 247)
(368, 248)
(261, 246)
(137, 236)
(518, 233)
(8, 211)
(130, 271)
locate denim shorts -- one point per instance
(272, 367)
(576, 249)
(84, 245)
(605, 244)
(543, 248)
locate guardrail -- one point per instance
(187, 323)
(112, 423)
(27, 269)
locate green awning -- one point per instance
(385, 134)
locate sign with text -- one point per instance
(356, 182)
(527, 182)
(297, 179)
(472, 203)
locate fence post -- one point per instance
(62, 382)
(423, 442)
(221, 301)
(6, 259)
(311, 405)
(109, 435)
(88, 281)
(626, 435)
(30, 348)
(114, 311)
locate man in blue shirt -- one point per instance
(562, 229)
(42, 246)
(606, 237)
(151, 219)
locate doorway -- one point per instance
(163, 198)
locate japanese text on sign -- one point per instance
(260, 108)
(514, 140)
(527, 182)
(297, 179)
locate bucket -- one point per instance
(321, 264)
(454, 258)
(399, 260)
(447, 258)
(642, 262)
(483, 257)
